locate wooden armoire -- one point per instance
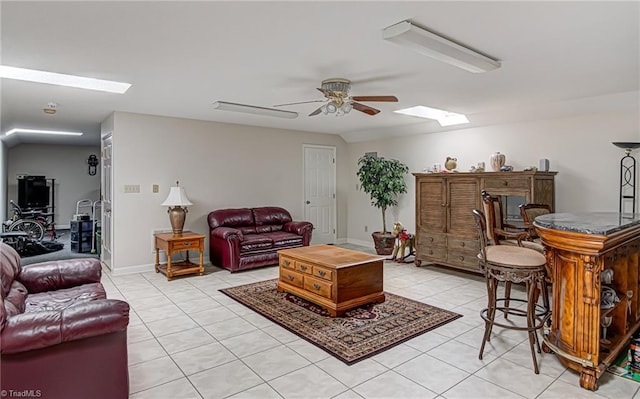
(445, 230)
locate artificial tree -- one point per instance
(383, 180)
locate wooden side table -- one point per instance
(172, 243)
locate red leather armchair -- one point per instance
(245, 238)
(59, 335)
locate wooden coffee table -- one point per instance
(335, 278)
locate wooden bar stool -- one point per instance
(512, 264)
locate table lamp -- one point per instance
(177, 199)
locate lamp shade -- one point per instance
(177, 197)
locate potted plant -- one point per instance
(383, 180)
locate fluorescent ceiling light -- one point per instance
(32, 75)
(424, 42)
(38, 131)
(251, 109)
(444, 118)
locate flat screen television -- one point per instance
(33, 192)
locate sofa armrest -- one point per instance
(36, 330)
(299, 228)
(54, 275)
(224, 233)
(303, 229)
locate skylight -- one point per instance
(60, 79)
(444, 118)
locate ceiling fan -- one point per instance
(337, 100)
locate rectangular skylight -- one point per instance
(60, 79)
(444, 118)
(38, 131)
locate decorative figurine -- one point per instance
(404, 241)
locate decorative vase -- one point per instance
(497, 161)
(451, 163)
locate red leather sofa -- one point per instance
(59, 335)
(245, 238)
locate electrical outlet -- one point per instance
(366, 229)
(156, 188)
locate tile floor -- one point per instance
(188, 340)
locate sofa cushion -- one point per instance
(238, 217)
(270, 218)
(61, 299)
(255, 242)
(247, 229)
(284, 239)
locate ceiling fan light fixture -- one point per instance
(252, 109)
(337, 85)
(418, 39)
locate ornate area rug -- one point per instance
(362, 332)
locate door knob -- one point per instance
(307, 202)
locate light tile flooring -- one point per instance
(188, 340)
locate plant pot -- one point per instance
(384, 242)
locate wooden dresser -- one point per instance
(445, 229)
(579, 248)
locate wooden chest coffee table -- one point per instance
(335, 278)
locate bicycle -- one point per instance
(35, 223)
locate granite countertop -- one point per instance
(603, 223)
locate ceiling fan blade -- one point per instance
(392, 99)
(365, 108)
(316, 112)
(300, 102)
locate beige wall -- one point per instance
(67, 164)
(578, 148)
(219, 165)
(223, 165)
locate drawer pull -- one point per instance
(461, 258)
(303, 267)
(186, 244)
(322, 273)
(286, 262)
(462, 245)
(290, 277)
(431, 239)
(316, 286)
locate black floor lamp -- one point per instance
(627, 176)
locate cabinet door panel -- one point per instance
(463, 198)
(431, 201)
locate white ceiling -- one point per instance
(558, 59)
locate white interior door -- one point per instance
(107, 194)
(320, 192)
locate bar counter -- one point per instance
(593, 319)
